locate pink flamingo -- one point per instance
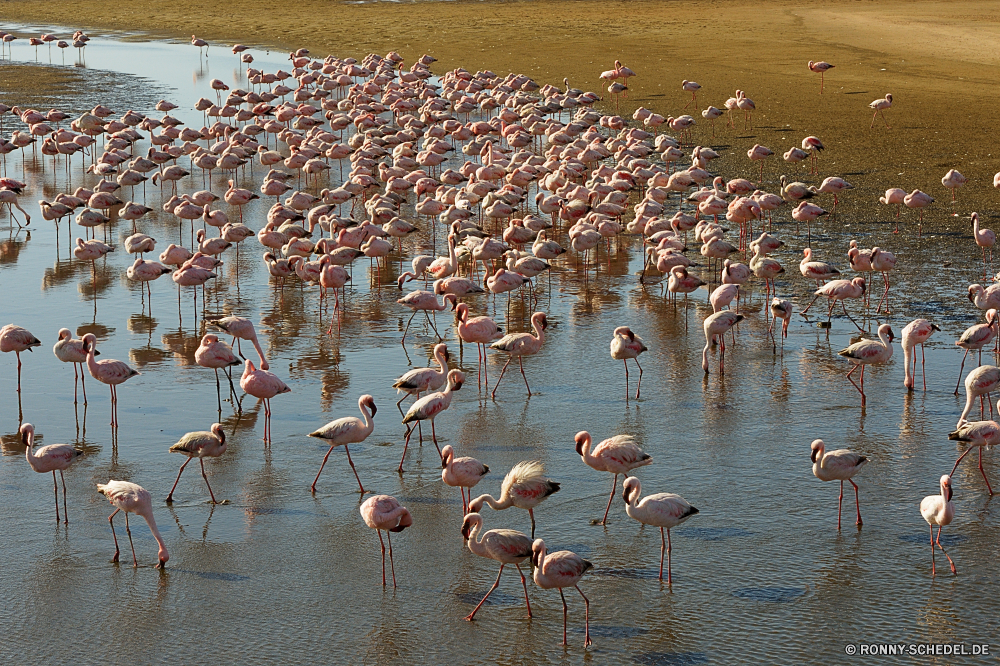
(693, 88)
(132, 498)
(627, 345)
(241, 329)
(214, 353)
(820, 68)
(981, 382)
(976, 337)
(418, 380)
(503, 546)
(841, 290)
(69, 350)
(201, 444)
(200, 43)
(917, 332)
(480, 331)
(239, 197)
(919, 200)
(524, 487)
(108, 371)
(814, 146)
(463, 472)
(383, 512)
(49, 459)
(716, 326)
(16, 339)
(883, 262)
(663, 510)
(840, 465)
(977, 434)
(333, 277)
(519, 345)
(894, 196)
(619, 455)
(985, 238)
(953, 180)
(348, 430)
(264, 385)
(424, 301)
(880, 105)
(866, 352)
(428, 407)
(939, 510)
(780, 309)
(561, 569)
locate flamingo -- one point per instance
(418, 380)
(519, 345)
(939, 510)
(524, 487)
(985, 238)
(917, 332)
(663, 510)
(384, 512)
(561, 569)
(840, 290)
(480, 331)
(919, 200)
(132, 498)
(462, 472)
(241, 329)
(49, 459)
(215, 354)
(423, 301)
(264, 385)
(840, 465)
(627, 345)
(821, 68)
(976, 337)
(69, 350)
(894, 197)
(428, 407)
(880, 105)
(16, 339)
(348, 430)
(716, 326)
(883, 262)
(866, 352)
(108, 371)
(504, 546)
(619, 455)
(201, 444)
(977, 434)
(981, 382)
(953, 180)
(780, 309)
(693, 88)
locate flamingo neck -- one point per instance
(442, 363)
(539, 332)
(475, 544)
(369, 424)
(148, 516)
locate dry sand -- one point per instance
(937, 58)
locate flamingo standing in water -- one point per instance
(716, 326)
(132, 498)
(49, 459)
(384, 512)
(866, 352)
(462, 472)
(348, 430)
(780, 309)
(108, 371)
(976, 337)
(627, 345)
(424, 301)
(16, 339)
(939, 510)
(419, 380)
(201, 444)
(241, 329)
(883, 262)
(525, 486)
(917, 332)
(69, 350)
(985, 238)
(894, 196)
(480, 331)
(214, 353)
(820, 68)
(919, 200)
(560, 569)
(977, 434)
(840, 465)
(504, 546)
(264, 385)
(519, 345)
(663, 510)
(619, 455)
(981, 382)
(428, 407)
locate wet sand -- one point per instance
(935, 57)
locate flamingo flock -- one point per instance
(586, 171)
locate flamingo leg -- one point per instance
(852, 381)
(960, 369)
(933, 571)
(83, 384)
(408, 321)
(495, 386)
(128, 531)
(409, 431)
(115, 536)
(531, 513)
(981, 471)
(586, 605)
(392, 565)
(520, 362)
(625, 362)
(74, 383)
(382, 543)
(353, 469)
(202, 461)
(639, 385)
(614, 485)
(66, 510)
(524, 584)
(923, 366)
(313, 487)
(857, 502)
(563, 597)
(944, 551)
(965, 453)
(55, 487)
(472, 616)
(170, 497)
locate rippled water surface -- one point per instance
(278, 575)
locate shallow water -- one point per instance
(283, 575)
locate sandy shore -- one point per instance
(937, 59)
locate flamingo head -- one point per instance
(946, 487)
(471, 520)
(991, 316)
(163, 556)
(369, 402)
(65, 334)
(456, 378)
(974, 290)
(89, 341)
(442, 349)
(219, 432)
(446, 453)
(26, 430)
(631, 489)
(405, 520)
(860, 282)
(974, 218)
(581, 439)
(885, 328)
(537, 552)
(817, 449)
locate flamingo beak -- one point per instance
(371, 403)
(162, 565)
(813, 455)
(579, 447)
(948, 488)
(466, 530)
